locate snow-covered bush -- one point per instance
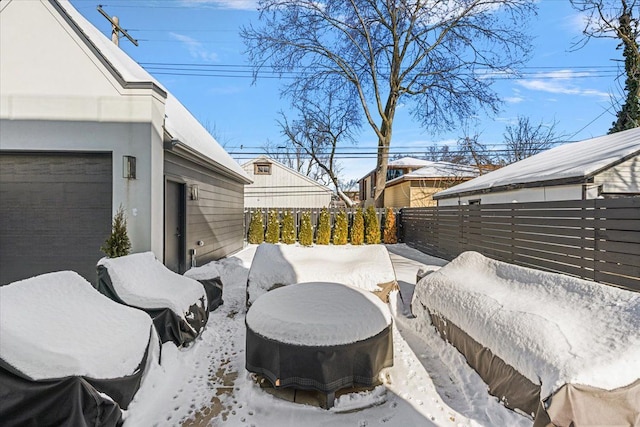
(256, 228)
(324, 228)
(357, 228)
(390, 230)
(305, 237)
(288, 228)
(372, 226)
(273, 228)
(341, 229)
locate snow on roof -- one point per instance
(57, 325)
(439, 170)
(577, 160)
(364, 267)
(409, 162)
(318, 314)
(142, 281)
(554, 329)
(180, 123)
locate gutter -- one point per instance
(183, 150)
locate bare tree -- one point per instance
(525, 139)
(439, 55)
(321, 126)
(444, 154)
(615, 19)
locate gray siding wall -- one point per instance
(217, 217)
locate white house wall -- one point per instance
(524, 195)
(622, 178)
(57, 96)
(283, 189)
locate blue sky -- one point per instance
(569, 86)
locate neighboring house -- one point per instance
(84, 130)
(278, 186)
(406, 187)
(416, 189)
(607, 166)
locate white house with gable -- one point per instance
(278, 186)
(606, 166)
(84, 129)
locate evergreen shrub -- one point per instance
(323, 236)
(288, 228)
(305, 236)
(118, 243)
(256, 228)
(341, 229)
(273, 228)
(390, 229)
(357, 228)
(372, 226)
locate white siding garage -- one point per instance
(55, 212)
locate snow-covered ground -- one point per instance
(430, 383)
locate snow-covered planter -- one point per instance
(367, 267)
(556, 348)
(177, 304)
(69, 355)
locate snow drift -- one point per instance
(366, 267)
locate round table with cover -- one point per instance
(319, 336)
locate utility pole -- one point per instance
(116, 29)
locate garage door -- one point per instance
(55, 213)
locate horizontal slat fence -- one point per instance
(596, 239)
(315, 214)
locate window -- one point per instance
(474, 202)
(262, 169)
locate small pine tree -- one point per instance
(357, 228)
(341, 229)
(288, 228)
(390, 229)
(305, 237)
(118, 243)
(372, 226)
(324, 228)
(273, 228)
(256, 228)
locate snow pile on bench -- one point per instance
(553, 329)
(57, 325)
(366, 267)
(177, 304)
(143, 281)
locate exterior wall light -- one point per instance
(129, 167)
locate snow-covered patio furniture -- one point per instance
(69, 355)
(367, 267)
(177, 304)
(319, 336)
(562, 350)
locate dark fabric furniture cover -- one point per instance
(325, 367)
(72, 400)
(213, 289)
(169, 325)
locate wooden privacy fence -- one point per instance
(596, 239)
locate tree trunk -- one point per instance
(381, 170)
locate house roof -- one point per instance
(288, 169)
(570, 163)
(409, 162)
(437, 170)
(180, 124)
